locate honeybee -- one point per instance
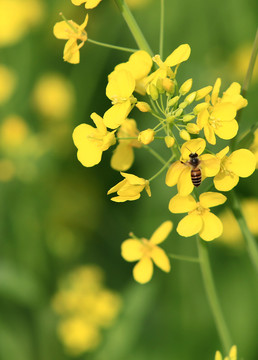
(196, 174)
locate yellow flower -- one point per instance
(180, 171)
(219, 118)
(232, 354)
(7, 83)
(146, 136)
(91, 142)
(146, 252)
(241, 163)
(119, 90)
(129, 188)
(254, 147)
(14, 132)
(72, 32)
(123, 156)
(199, 219)
(89, 4)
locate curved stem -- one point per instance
(161, 170)
(161, 33)
(155, 154)
(133, 26)
(247, 235)
(111, 46)
(212, 295)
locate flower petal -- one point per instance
(142, 272)
(89, 155)
(190, 225)
(62, 30)
(223, 153)
(161, 233)
(209, 134)
(120, 86)
(131, 250)
(125, 198)
(210, 199)
(191, 147)
(160, 259)
(227, 129)
(223, 112)
(98, 121)
(242, 162)
(133, 179)
(180, 54)
(185, 185)
(115, 115)
(212, 227)
(215, 91)
(71, 52)
(225, 181)
(210, 165)
(123, 157)
(174, 172)
(181, 204)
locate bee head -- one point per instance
(193, 155)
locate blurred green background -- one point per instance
(55, 217)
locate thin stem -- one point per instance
(162, 169)
(161, 33)
(248, 236)
(155, 154)
(212, 295)
(184, 258)
(133, 26)
(111, 46)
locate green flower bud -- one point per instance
(173, 101)
(186, 87)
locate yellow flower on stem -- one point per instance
(91, 142)
(146, 252)
(241, 163)
(219, 118)
(123, 156)
(69, 30)
(180, 171)
(199, 219)
(232, 354)
(130, 188)
(119, 90)
(89, 4)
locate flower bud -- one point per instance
(178, 112)
(143, 106)
(186, 87)
(173, 101)
(146, 136)
(159, 86)
(183, 105)
(190, 98)
(200, 94)
(168, 85)
(187, 118)
(170, 119)
(198, 108)
(169, 140)
(193, 128)
(153, 92)
(184, 135)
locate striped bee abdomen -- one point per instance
(196, 177)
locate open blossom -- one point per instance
(180, 171)
(89, 4)
(91, 142)
(241, 163)
(130, 188)
(219, 118)
(199, 219)
(232, 354)
(72, 32)
(123, 156)
(119, 90)
(146, 252)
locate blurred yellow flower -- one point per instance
(89, 4)
(254, 147)
(54, 96)
(135, 4)
(130, 188)
(239, 63)
(199, 219)
(146, 252)
(7, 83)
(91, 142)
(72, 32)
(13, 132)
(17, 17)
(232, 354)
(180, 171)
(123, 156)
(241, 163)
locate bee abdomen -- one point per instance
(196, 177)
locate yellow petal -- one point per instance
(89, 154)
(223, 153)
(201, 93)
(161, 233)
(227, 129)
(210, 165)
(185, 185)
(160, 259)
(98, 121)
(122, 158)
(225, 181)
(174, 172)
(180, 54)
(83, 133)
(131, 250)
(233, 353)
(224, 112)
(190, 225)
(130, 190)
(242, 162)
(142, 272)
(212, 227)
(90, 4)
(125, 198)
(209, 134)
(210, 199)
(215, 91)
(117, 187)
(203, 118)
(71, 52)
(133, 179)
(120, 86)
(191, 147)
(115, 116)
(140, 64)
(180, 204)
(62, 30)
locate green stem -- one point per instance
(155, 154)
(133, 26)
(212, 295)
(111, 46)
(184, 258)
(161, 33)
(162, 169)
(248, 236)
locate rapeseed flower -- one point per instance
(89, 4)
(180, 171)
(69, 30)
(146, 252)
(241, 163)
(130, 188)
(119, 90)
(91, 142)
(232, 354)
(199, 219)
(7, 83)
(123, 156)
